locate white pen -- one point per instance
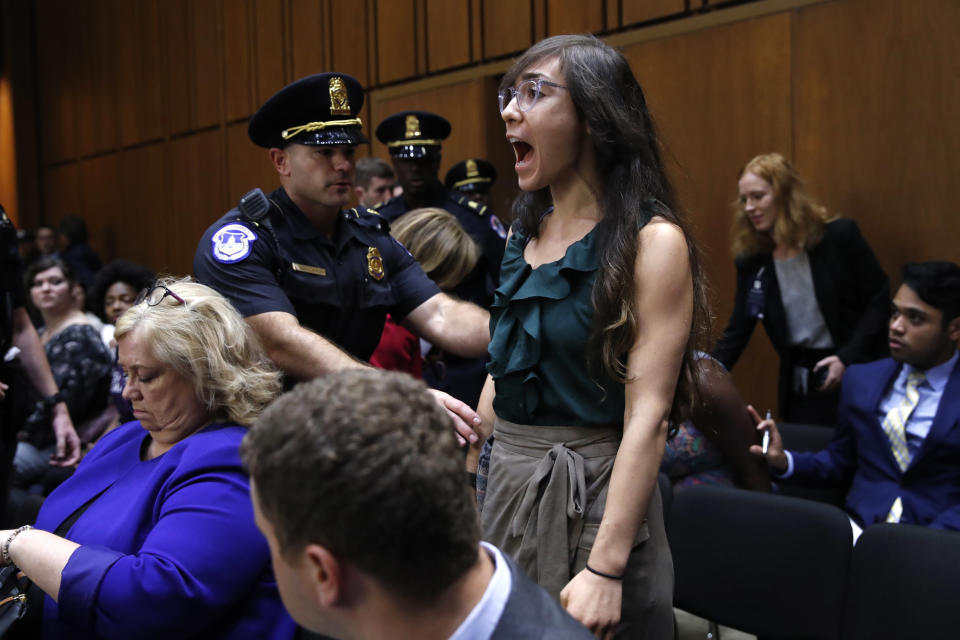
(766, 435)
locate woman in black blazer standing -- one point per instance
(813, 281)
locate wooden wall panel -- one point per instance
(95, 99)
(876, 131)
(270, 30)
(176, 65)
(248, 166)
(196, 186)
(350, 25)
(57, 69)
(573, 16)
(143, 222)
(711, 122)
(98, 202)
(448, 33)
(476, 30)
(152, 103)
(8, 154)
(507, 26)
(206, 59)
(612, 18)
(635, 11)
(237, 68)
(126, 58)
(310, 40)
(61, 191)
(396, 44)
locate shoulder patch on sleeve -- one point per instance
(232, 243)
(498, 227)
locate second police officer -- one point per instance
(473, 178)
(414, 139)
(315, 280)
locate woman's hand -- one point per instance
(835, 369)
(464, 418)
(594, 601)
(68, 444)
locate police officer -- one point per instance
(414, 139)
(473, 178)
(23, 364)
(314, 280)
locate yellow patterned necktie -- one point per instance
(895, 426)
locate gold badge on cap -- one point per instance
(339, 104)
(472, 171)
(413, 127)
(375, 264)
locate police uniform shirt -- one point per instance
(340, 287)
(476, 219)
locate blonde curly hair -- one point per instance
(206, 341)
(435, 239)
(801, 221)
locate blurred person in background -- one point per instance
(447, 254)
(76, 252)
(812, 280)
(375, 181)
(79, 360)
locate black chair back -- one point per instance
(904, 583)
(769, 565)
(806, 437)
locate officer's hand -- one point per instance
(3, 391)
(464, 418)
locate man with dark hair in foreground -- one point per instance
(358, 486)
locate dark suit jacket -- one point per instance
(531, 613)
(853, 294)
(860, 453)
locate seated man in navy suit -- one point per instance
(358, 486)
(898, 426)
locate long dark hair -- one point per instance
(635, 188)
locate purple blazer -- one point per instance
(169, 550)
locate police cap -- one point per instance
(413, 134)
(470, 175)
(317, 110)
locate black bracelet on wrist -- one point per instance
(51, 400)
(609, 576)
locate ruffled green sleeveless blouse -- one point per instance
(540, 322)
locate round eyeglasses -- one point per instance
(154, 295)
(526, 93)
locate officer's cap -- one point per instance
(472, 174)
(318, 110)
(413, 134)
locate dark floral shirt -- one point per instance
(81, 366)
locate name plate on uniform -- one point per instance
(305, 268)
